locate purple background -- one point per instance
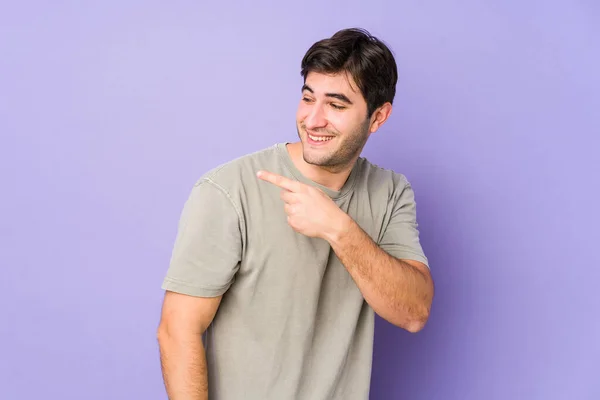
(110, 111)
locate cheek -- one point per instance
(301, 112)
(349, 123)
(339, 122)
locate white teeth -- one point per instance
(320, 138)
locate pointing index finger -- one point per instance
(279, 180)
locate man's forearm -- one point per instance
(183, 363)
(397, 291)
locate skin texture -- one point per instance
(183, 360)
(400, 291)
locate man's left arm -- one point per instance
(393, 282)
(398, 290)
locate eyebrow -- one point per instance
(338, 96)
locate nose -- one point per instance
(315, 118)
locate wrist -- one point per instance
(338, 228)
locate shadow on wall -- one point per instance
(403, 361)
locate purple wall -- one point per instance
(109, 112)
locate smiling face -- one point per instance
(332, 121)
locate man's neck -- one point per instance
(333, 180)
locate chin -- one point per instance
(320, 160)
(315, 156)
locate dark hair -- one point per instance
(367, 59)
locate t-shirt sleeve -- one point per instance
(401, 237)
(208, 245)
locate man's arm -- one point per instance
(400, 291)
(183, 361)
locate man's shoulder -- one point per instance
(375, 176)
(234, 172)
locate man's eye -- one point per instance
(337, 107)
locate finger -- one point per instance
(289, 197)
(289, 209)
(280, 181)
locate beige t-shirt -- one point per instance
(292, 323)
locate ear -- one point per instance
(380, 116)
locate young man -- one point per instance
(283, 256)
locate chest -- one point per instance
(278, 256)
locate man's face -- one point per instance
(332, 120)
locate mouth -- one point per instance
(318, 139)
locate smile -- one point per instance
(320, 138)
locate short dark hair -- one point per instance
(367, 59)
